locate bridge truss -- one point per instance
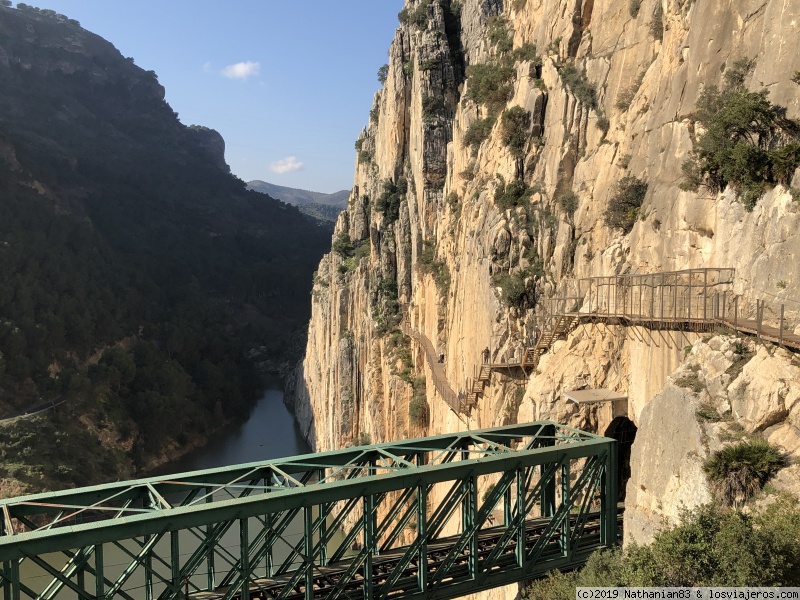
(440, 516)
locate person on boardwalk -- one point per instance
(486, 355)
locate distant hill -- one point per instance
(299, 197)
(323, 207)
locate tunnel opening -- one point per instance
(623, 430)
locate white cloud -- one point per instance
(242, 70)
(286, 165)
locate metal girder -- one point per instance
(416, 518)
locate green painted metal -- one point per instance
(439, 516)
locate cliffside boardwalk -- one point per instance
(457, 403)
(691, 300)
(411, 519)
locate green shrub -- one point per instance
(580, 86)
(708, 412)
(623, 208)
(418, 410)
(738, 471)
(513, 291)
(527, 52)
(418, 16)
(427, 263)
(784, 161)
(362, 250)
(383, 73)
(796, 77)
(627, 95)
(432, 106)
(514, 127)
(736, 74)
(385, 306)
(454, 201)
(499, 34)
(490, 84)
(389, 201)
(633, 7)
(603, 124)
(710, 546)
(408, 68)
(343, 245)
(657, 22)
(555, 45)
(692, 381)
(427, 254)
(366, 155)
(478, 132)
(514, 194)
(430, 64)
(747, 143)
(568, 201)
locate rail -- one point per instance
(435, 517)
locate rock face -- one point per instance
(213, 143)
(444, 240)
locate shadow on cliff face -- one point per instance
(297, 398)
(623, 430)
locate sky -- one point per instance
(288, 83)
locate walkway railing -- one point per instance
(692, 299)
(671, 297)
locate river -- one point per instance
(269, 432)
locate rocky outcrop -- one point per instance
(726, 390)
(494, 217)
(213, 143)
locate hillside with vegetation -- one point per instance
(141, 280)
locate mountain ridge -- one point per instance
(323, 208)
(118, 222)
(298, 196)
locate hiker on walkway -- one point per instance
(486, 355)
(441, 357)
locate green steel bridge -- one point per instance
(434, 517)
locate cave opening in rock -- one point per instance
(623, 430)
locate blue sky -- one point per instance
(288, 83)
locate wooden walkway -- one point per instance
(691, 300)
(458, 403)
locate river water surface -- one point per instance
(270, 432)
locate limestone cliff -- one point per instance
(466, 215)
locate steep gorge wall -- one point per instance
(432, 245)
